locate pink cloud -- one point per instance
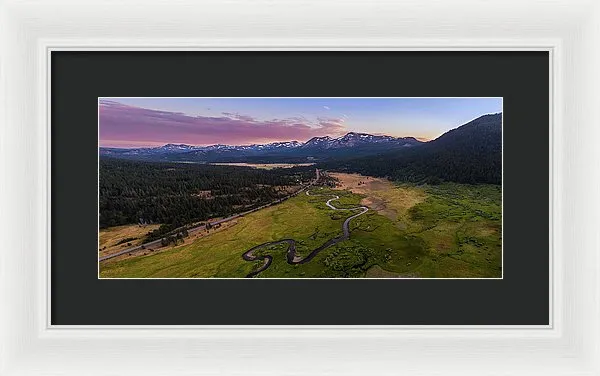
(124, 125)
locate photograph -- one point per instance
(300, 187)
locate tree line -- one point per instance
(176, 194)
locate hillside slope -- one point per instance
(471, 153)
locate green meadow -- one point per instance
(454, 232)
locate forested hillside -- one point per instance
(179, 193)
(471, 153)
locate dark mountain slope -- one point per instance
(471, 153)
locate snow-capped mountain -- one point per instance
(316, 147)
(177, 147)
(353, 139)
(272, 146)
(319, 142)
(287, 144)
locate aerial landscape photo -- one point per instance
(300, 187)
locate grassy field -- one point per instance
(462, 226)
(115, 239)
(219, 255)
(448, 230)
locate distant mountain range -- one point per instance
(317, 148)
(471, 153)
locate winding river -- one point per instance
(292, 257)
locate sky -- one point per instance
(150, 122)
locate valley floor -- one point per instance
(443, 231)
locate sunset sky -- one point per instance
(141, 122)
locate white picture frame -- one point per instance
(569, 30)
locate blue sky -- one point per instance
(127, 122)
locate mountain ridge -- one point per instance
(470, 153)
(293, 143)
(318, 146)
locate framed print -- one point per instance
(227, 187)
(347, 193)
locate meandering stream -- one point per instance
(292, 257)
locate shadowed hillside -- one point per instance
(471, 153)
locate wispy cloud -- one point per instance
(326, 107)
(125, 125)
